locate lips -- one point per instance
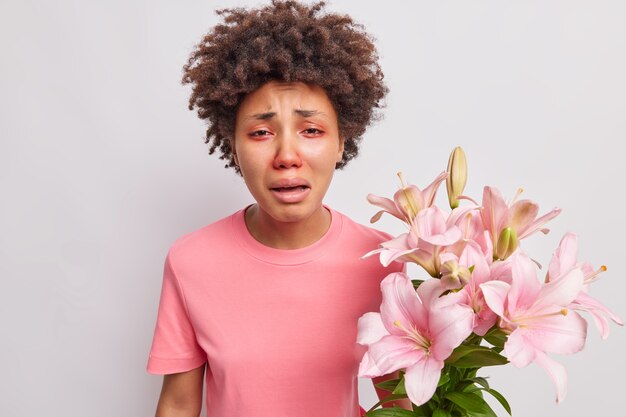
(290, 190)
(288, 184)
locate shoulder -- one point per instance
(202, 242)
(362, 238)
(358, 230)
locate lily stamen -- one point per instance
(519, 191)
(408, 218)
(468, 216)
(399, 174)
(413, 334)
(521, 321)
(594, 275)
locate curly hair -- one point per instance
(285, 41)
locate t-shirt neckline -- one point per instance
(286, 256)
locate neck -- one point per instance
(287, 235)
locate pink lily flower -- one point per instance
(469, 220)
(407, 201)
(470, 294)
(413, 332)
(521, 216)
(563, 260)
(536, 317)
(430, 234)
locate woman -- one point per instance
(266, 300)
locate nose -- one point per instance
(287, 152)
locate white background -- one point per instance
(102, 166)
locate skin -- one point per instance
(274, 139)
(181, 394)
(287, 130)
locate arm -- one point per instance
(181, 394)
(403, 403)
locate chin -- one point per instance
(291, 212)
(294, 212)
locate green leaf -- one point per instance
(445, 378)
(388, 385)
(387, 399)
(417, 282)
(501, 399)
(441, 413)
(472, 388)
(390, 412)
(459, 352)
(473, 339)
(481, 381)
(399, 389)
(455, 375)
(422, 410)
(472, 403)
(496, 337)
(477, 357)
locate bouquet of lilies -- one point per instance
(483, 304)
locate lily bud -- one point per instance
(507, 243)
(457, 176)
(454, 276)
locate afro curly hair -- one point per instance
(285, 41)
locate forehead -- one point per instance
(275, 94)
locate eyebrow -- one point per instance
(303, 113)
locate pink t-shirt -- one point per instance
(276, 327)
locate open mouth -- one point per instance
(288, 189)
(295, 194)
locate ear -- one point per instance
(232, 150)
(342, 141)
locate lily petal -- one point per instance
(394, 352)
(370, 328)
(562, 290)
(598, 312)
(536, 225)
(401, 303)
(429, 291)
(557, 373)
(458, 215)
(525, 286)
(386, 204)
(430, 221)
(564, 258)
(494, 212)
(522, 213)
(449, 326)
(420, 380)
(430, 192)
(518, 350)
(390, 255)
(472, 255)
(495, 293)
(555, 333)
(447, 238)
(409, 201)
(368, 368)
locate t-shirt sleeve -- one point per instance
(174, 345)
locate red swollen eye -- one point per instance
(261, 132)
(313, 131)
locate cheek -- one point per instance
(249, 157)
(324, 156)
